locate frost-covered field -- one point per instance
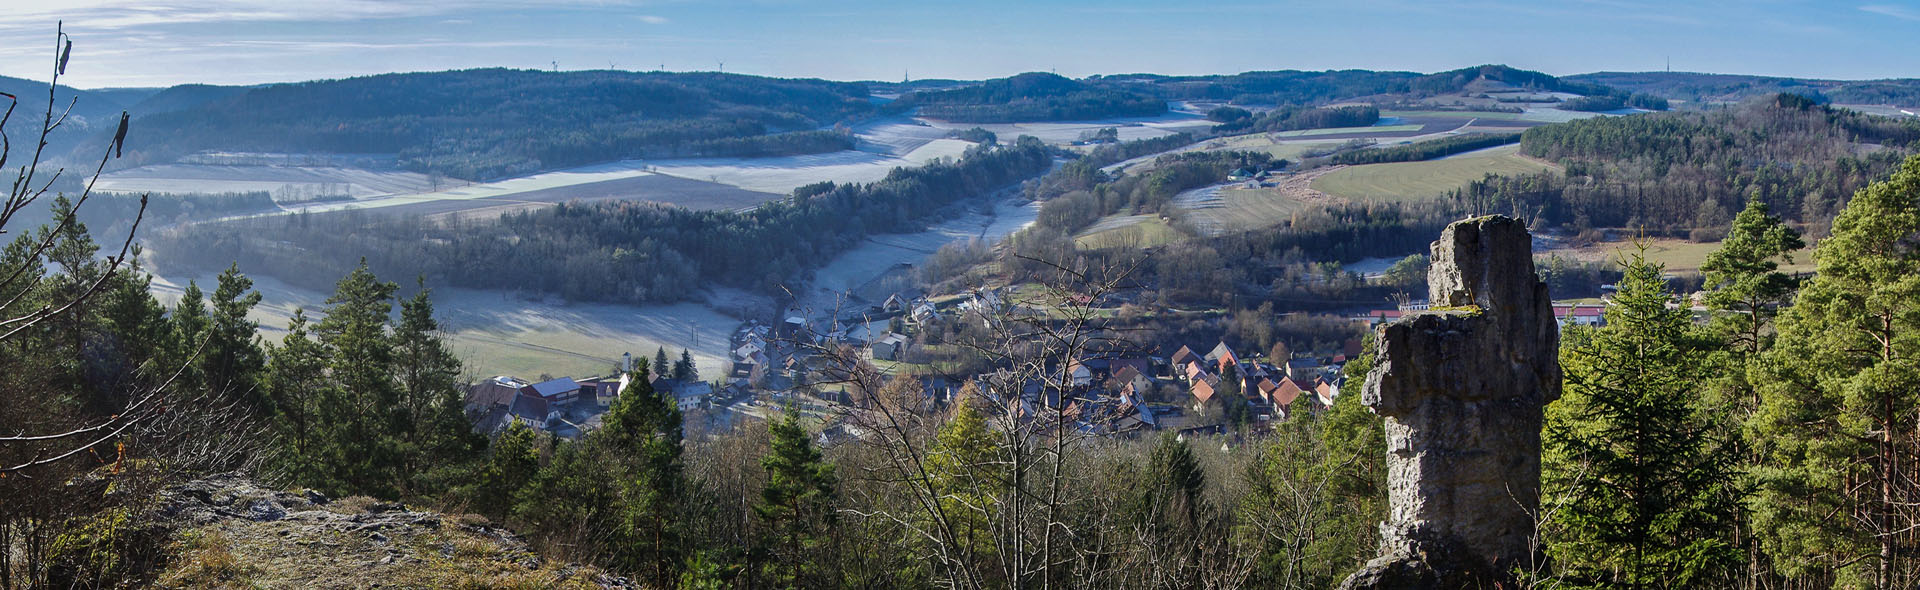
(1066, 132)
(285, 183)
(496, 333)
(781, 175)
(881, 253)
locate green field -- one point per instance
(1340, 130)
(1422, 180)
(1146, 232)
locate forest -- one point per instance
(1698, 87)
(615, 251)
(1678, 172)
(1426, 150)
(492, 123)
(1774, 481)
(1033, 96)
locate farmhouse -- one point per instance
(889, 347)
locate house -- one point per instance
(1583, 315)
(924, 312)
(560, 391)
(1195, 370)
(1080, 373)
(894, 303)
(1326, 392)
(492, 394)
(1305, 369)
(532, 411)
(1239, 175)
(889, 347)
(1224, 356)
(1181, 357)
(747, 350)
(793, 326)
(1204, 388)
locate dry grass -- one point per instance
(1400, 181)
(1678, 256)
(205, 560)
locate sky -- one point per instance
(142, 43)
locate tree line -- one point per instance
(491, 123)
(612, 251)
(1033, 96)
(1426, 150)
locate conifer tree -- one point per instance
(190, 325)
(1631, 453)
(684, 369)
(644, 427)
(1838, 399)
(231, 361)
(430, 419)
(512, 462)
(797, 502)
(660, 362)
(296, 384)
(365, 453)
(965, 472)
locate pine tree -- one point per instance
(365, 451)
(512, 462)
(188, 341)
(660, 362)
(797, 502)
(965, 471)
(296, 385)
(645, 428)
(1745, 288)
(430, 419)
(1631, 453)
(1838, 399)
(231, 361)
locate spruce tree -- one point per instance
(1838, 399)
(660, 362)
(1631, 454)
(797, 502)
(684, 369)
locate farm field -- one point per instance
(1128, 231)
(880, 254)
(1350, 130)
(284, 183)
(780, 175)
(1420, 180)
(497, 333)
(1679, 256)
(1222, 209)
(1451, 115)
(1066, 132)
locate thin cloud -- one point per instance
(653, 20)
(1899, 12)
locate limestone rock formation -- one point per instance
(229, 531)
(1461, 388)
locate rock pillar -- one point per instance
(1461, 388)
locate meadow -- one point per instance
(1422, 180)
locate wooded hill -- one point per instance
(1033, 96)
(480, 124)
(1698, 87)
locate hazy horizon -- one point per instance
(121, 43)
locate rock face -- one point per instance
(1461, 388)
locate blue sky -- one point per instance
(163, 42)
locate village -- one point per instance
(799, 365)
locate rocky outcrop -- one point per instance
(230, 531)
(1461, 388)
